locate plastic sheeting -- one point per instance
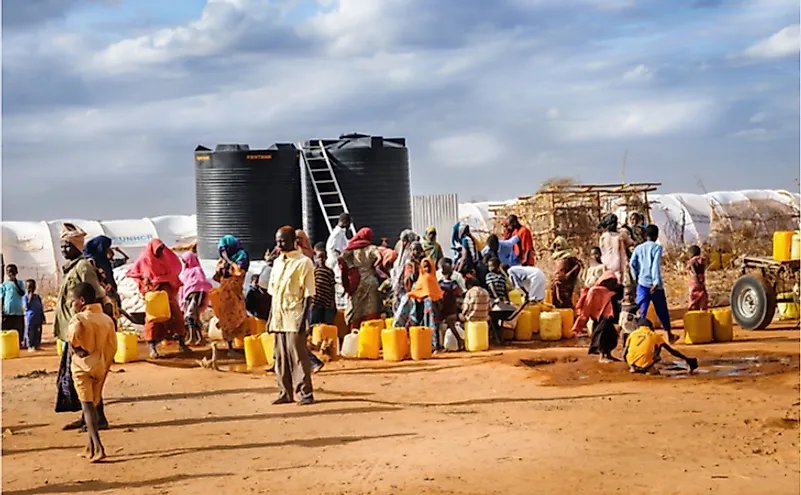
(478, 216)
(699, 218)
(35, 246)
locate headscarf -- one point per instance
(362, 239)
(73, 234)
(431, 248)
(302, 241)
(97, 250)
(407, 235)
(388, 256)
(232, 248)
(455, 242)
(467, 240)
(561, 249)
(162, 269)
(404, 255)
(193, 277)
(427, 286)
(609, 223)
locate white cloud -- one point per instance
(221, 24)
(470, 150)
(758, 118)
(638, 119)
(756, 134)
(530, 87)
(639, 73)
(784, 43)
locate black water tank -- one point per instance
(246, 193)
(373, 174)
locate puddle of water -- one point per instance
(531, 363)
(732, 366)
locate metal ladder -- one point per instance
(326, 188)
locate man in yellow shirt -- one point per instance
(292, 288)
(643, 348)
(92, 345)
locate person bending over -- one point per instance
(643, 349)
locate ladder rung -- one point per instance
(318, 170)
(333, 217)
(330, 193)
(334, 205)
(327, 181)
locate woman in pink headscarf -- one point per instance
(159, 269)
(193, 295)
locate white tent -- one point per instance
(35, 247)
(695, 218)
(478, 215)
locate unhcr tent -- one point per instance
(713, 217)
(35, 247)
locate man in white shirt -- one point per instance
(334, 247)
(338, 240)
(530, 280)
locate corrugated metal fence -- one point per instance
(439, 210)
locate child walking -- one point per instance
(92, 344)
(34, 317)
(646, 266)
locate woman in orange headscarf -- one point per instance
(427, 295)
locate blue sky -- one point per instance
(105, 100)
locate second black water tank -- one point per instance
(373, 174)
(245, 193)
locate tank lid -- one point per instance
(353, 135)
(282, 146)
(200, 147)
(232, 147)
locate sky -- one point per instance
(104, 101)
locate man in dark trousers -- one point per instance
(292, 289)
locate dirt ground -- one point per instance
(519, 420)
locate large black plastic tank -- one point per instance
(246, 193)
(373, 174)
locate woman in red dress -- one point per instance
(158, 269)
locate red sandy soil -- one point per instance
(518, 420)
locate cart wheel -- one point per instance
(753, 302)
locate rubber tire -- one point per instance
(765, 302)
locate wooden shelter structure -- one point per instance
(573, 211)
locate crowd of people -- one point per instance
(417, 283)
